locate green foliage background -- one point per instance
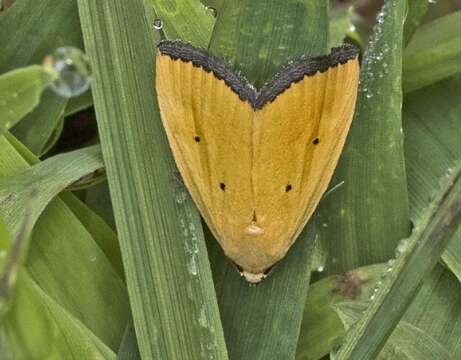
(131, 273)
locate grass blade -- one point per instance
(36, 129)
(37, 327)
(434, 314)
(363, 220)
(71, 271)
(432, 147)
(407, 341)
(104, 236)
(129, 346)
(20, 92)
(418, 257)
(250, 48)
(321, 329)
(169, 280)
(189, 20)
(436, 309)
(35, 187)
(417, 9)
(101, 232)
(50, 24)
(263, 322)
(340, 24)
(434, 53)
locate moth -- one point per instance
(256, 161)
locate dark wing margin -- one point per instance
(293, 72)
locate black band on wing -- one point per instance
(290, 74)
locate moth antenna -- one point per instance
(336, 187)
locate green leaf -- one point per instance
(5, 240)
(416, 10)
(407, 341)
(79, 103)
(321, 328)
(36, 186)
(20, 92)
(434, 314)
(340, 23)
(69, 268)
(417, 257)
(432, 148)
(12, 262)
(263, 322)
(349, 312)
(50, 24)
(434, 53)
(37, 328)
(187, 20)
(243, 35)
(101, 232)
(215, 4)
(168, 274)
(98, 199)
(436, 309)
(364, 219)
(129, 347)
(37, 128)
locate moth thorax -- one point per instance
(254, 229)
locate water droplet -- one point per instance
(72, 68)
(192, 266)
(432, 1)
(321, 268)
(368, 95)
(352, 28)
(93, 258)
(372, 297)
(325, 225)
(401, 247)
(202, 320)
(390, 265)
(180, 197)
(212, 11)
(158, 24)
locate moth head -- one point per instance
(254, 278)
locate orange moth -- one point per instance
(256, 161)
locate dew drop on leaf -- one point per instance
(320, 268)
(158, 24)
(180, 197)
(212, 11)
(401, 247)
(390, 265)
(72, 69)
